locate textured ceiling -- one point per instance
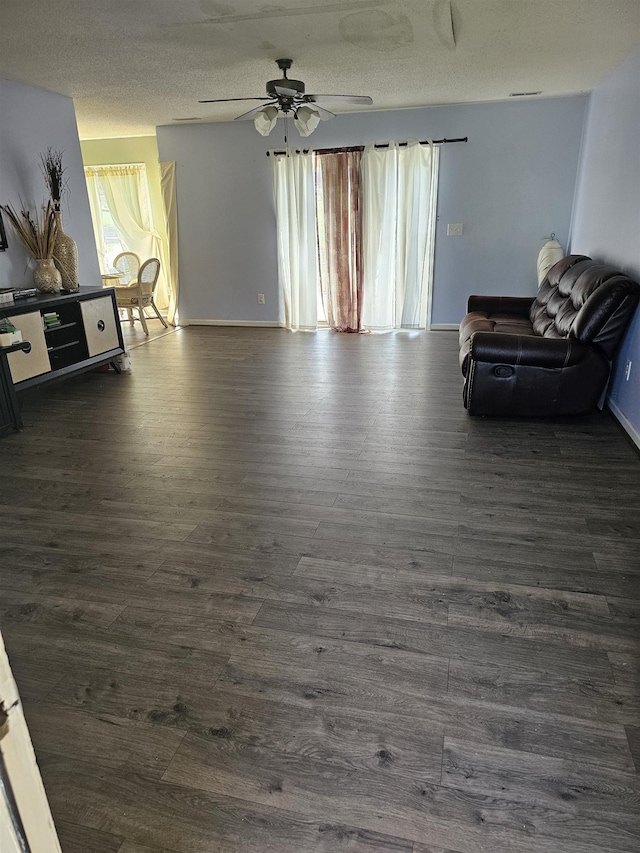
(132, 65)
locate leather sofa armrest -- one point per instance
(529, 350)
(516, 305)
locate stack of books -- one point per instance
(51, 319)
(6, 296)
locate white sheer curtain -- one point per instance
(93, 190)
(399, 217)
(127, 195)
(169, 200)
(293, 183)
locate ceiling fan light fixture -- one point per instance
(306, 120)
(265, 120)
(287, 97)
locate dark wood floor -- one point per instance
(277, 593)
(134, 335)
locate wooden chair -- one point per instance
(127, 263)
(139, 293)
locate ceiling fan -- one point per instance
(288, 97)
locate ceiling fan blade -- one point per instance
(345, 99)
(325, 115)
(227, 100)
(287, 93)
(252, 113)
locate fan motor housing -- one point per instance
(284, 83)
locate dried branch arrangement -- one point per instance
(53, 172)
(36, 233)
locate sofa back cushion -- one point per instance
(575, 300)
(549, 300)
(604, 317)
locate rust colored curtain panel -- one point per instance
(338, 212)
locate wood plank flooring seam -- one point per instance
(276, 785)
(253, 620)
(79, 838)
(444, 738)
(307, 796)
(633, 739)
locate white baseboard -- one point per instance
(270, 324)
(275, 324)
(626, 424)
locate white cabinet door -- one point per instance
(25, 365)
(23, 774)
(100, 327)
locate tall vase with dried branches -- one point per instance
(65, 252)
(37, 233)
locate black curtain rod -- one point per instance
(382, 145)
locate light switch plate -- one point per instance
(454, 229)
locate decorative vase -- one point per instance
(46, 277)
(65, 252)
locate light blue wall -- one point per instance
(510, 185)
(226, 231)
(32, 120)
(606, 219)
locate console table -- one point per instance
(88, 335)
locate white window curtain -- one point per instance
(399, 218)
(293, 182)
(169, 200)
(127, 195)
(95, 207)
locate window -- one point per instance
(113, 244)
(121, 212)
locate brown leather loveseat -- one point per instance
(548, 355)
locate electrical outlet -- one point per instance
(454, 229)
(261, 299)
(627, 371)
